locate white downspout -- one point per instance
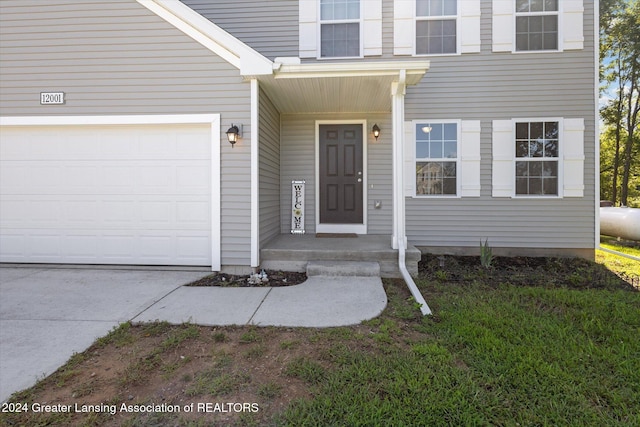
(399, 235)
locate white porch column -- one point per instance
(255, 175)
(398, 90)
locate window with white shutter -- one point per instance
(340, 28)
(442, 158)
(537, 25)
(436, 27)
(540, 157)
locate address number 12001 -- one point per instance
(48, 98)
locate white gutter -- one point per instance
(413, 70)
(400, 239)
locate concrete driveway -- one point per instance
(48, 314)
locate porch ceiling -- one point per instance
(338, 87)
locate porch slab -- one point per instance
(288, 252)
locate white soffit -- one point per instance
(211, 36)
(338, 87)
(415, 70)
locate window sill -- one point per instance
(341, 58)
(431, 55)
(533, 197)
(436, 196)
(520, 52)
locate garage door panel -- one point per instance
(12, 212)
(82, 248)
(44, 213)
(96, 194)
(116, 248)
(13, 246)
(155, 249)
(80, 212)
(14, 178)
(190, 249)
(45, 246)
(191, 146)
(155, 214)
(194, 213)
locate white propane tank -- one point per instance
(620, 222)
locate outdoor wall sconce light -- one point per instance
(233, 134)
(376, 131)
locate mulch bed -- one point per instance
(276, 279)
(522, 271)
(575, 273)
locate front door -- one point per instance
(340, 174)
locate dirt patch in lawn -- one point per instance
(231, 375)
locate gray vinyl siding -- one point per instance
(269, 155)
(297, 161)
(117, 57)
(497, 86)
(268, 26)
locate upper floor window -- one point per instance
(436, 22)
(536, 25)
(339, 28)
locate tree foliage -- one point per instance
(620, 78)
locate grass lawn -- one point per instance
(625, 246)
(545, 342)
(627, 268)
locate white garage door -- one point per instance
(116, 194)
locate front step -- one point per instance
(343, 268)
(292, 253)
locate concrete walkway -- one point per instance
(48, 314)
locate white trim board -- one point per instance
(342, 228)
(211, 36)
(108, 120)
(211, 119)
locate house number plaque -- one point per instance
(51, 98)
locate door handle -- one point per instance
(359, 179)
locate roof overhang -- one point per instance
(353, 86)
(249, 61)
(338, 86)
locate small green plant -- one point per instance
(219, 337)
(289, 344)
(119, 336)
(255, 352)
(270, 390)
(441, 275)
(306, 369)
(486, 254)
(249, 337)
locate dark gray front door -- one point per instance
(341, 174)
